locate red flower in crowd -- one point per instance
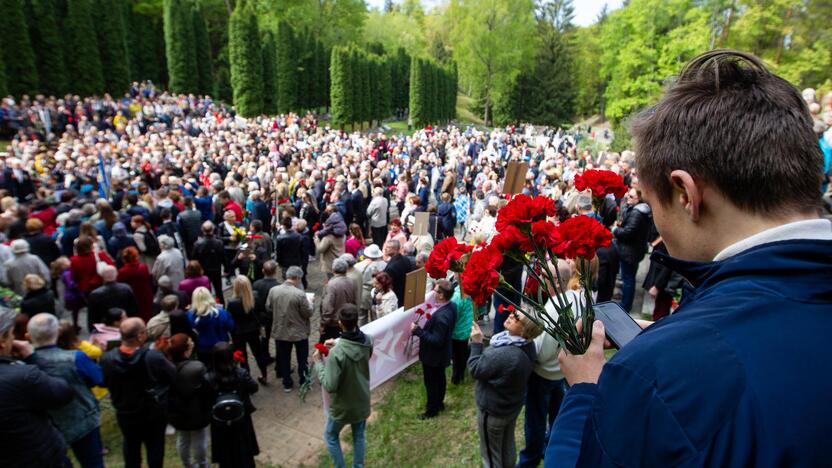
(420, 311)
(480, 278)
(581, 236)
(444, 255)
(322, 349)
(532, 287)
(511, 237)
(238, 356)
(427, 316)
(545, 234)
(501, 309)
(429, 306)
(523, 209)
(601, 183)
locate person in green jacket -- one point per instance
(462, 331)
(346, 377)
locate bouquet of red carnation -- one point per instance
(322, 349)
(526, 235)
(600, 183)
(446, 255)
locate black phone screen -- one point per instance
(618, 325)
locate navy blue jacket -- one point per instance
(435, 337)
(738, 376)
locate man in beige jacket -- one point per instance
(290, 325)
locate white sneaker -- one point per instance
(287, 389)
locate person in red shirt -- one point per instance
(228, 204)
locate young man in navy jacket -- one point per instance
(737, 376)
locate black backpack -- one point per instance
(151, 244)
(228, 408)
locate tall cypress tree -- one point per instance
(45, 35)
(385, 88)
(287, 83)
(417, 110)
(326, 55)
(4, 90)
(202, 51)
(367, 71)
(310, 72)
(183, 76)
(269, 73)
(245, 60)
(17, 52)
(84, 65)
(112, 45)
(341, 92)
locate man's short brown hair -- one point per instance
(732, 123)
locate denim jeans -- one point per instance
(87, 450)
(192, 447)
(628, 284)
(333, 442)
(543, 399)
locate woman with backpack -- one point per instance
(247, 329)
(190, 402)
(233, 440)
(212, 323)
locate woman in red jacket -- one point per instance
(136, 275)
(83, 265)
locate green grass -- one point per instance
(4, 144)
(464, 114)
(395, 437)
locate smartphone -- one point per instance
(618, 325)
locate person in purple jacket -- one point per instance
(737, 376)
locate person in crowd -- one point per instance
(384, 299)
(119, 241)
(308, 248)
(164, 287)
(211, 322)
(210, 254)
(329, 246)
(23, 263)
(26, 395)
(446, 211)
(289, 247)
(137, 378)
(38, 297)
(247, 325)
(230, 239)
(147, 244)
(631, 242)
(189, 220)
(106, 334)
(233, 443)
(86, 265)
(160, 325)
(169, 263)
(136, 275)
(70, 297)
(368, 268)
(377, 212)
(110, 294)
(291, 313)
(41, 245)
(660, 282)
(346, 377)
(397, 267)
(355, 242)
(461, 334)
(79, 420)
(501, 372)
(189, 407)
(194, 278)
(354, 275)
(261, 289)
(435, 348)
(338, 291)
(395, 232)
(749, 258)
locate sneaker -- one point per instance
(287, 389)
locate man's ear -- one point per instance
(687, 192)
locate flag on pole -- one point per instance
(104, 178)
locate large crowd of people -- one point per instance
(179, 237)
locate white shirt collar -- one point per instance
(813, 229)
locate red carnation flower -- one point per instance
(581, 236)
(446, 256)
(523, 209)
(322, 349)
(238, 356)
(601, 183)
(545, 234)
(480, 278)
(532, 287)
(429, 306)
(511, 237)
(420, 311)
(427, 316)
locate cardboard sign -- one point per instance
(414, 288)
(421, 223)
(515, 177)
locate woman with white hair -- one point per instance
(211, 321)
(377, 212)
(170, 262)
